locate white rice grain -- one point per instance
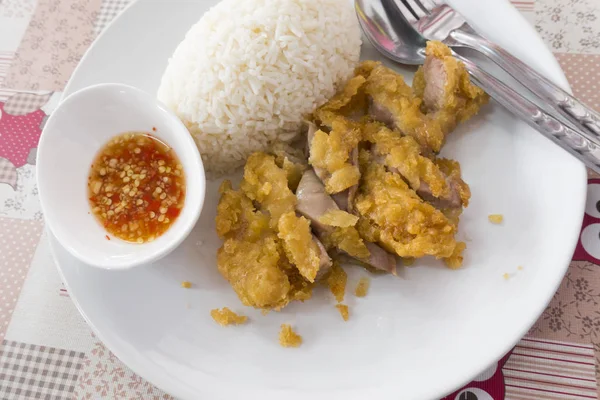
(249, 71)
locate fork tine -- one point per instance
(406, 11)
(428, 5)
(421, 4)
(416, 8)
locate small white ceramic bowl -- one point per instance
(81, 125)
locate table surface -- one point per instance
(48, 352)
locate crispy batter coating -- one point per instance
(388, 90)
(299, 245)
(404, 154)
(267, 184)
(338, 218)
(397, 218)
(255, 272)
(451, 169)
(331, 152)
(347, 239)
(292, 161)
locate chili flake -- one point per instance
(136, 187)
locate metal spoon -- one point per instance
(396, 40)
(389, 32)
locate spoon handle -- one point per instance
(582, 145)
(573, 110)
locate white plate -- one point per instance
(415, 337)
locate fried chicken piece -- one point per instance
(393, 215)
(292, 160)
(393, 103)
(269, 255)
(251, 258)
(237, 217)
(301, 247)
(453, 174)
(255, 271)
(267, 184)
(344, 198)
(313, 203)
(402, 154)
(444, 85)
(330, 155)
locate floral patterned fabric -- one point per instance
(46, 349)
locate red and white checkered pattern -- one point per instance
(28, 371)
(23, 103)
(108, 10)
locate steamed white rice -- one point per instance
(249, 71)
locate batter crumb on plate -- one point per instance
(343, 309)
(506, 275)
(289, 338)
(520, 268)
(496, 218)
(226, 317)
(362, 288)
(186, 284)
(337, 282)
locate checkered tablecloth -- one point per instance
(48, 352)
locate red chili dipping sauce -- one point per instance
(136, 187)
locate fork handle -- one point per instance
(582, 147)
(573, 110)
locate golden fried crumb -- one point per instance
(226, 317)
(506, 275)
(496, 218)
(186, 284)
(362, 288)
(289, 338)
(264, 312)
(337, 282)
(520, 268)
(338, 218)
(343, 309)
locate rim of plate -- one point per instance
(557, 75)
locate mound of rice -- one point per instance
(249, 71)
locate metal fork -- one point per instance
(436, 20)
